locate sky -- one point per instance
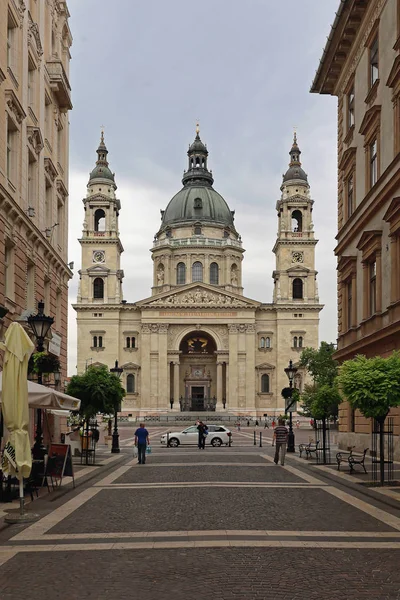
(147, 71)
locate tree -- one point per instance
(321, 399)
(372, 385)
(98, 390)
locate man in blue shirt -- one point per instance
(141, 441)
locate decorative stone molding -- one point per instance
(14, 106)
(199, 297)
(61, 189)
(155, 328)
(35, 139)
(241, 328)
(33, 32)
(50, 169)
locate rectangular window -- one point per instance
(12, 32)
(350, 108)
(58, 319)
(350, 195)
(30, 286)
(12, 138)
(9, 263)
(31, 84)
(32, 180)
(49, 207)
(374, 61)
(373, 163)
(349, 304)
(372, 288)
(60, 221)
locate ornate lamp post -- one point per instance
(115, 436)
(40, 325)
(290, 372)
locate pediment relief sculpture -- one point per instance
(201, 297)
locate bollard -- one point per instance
(255, 441)
(167, 439)
(230, 441)
(260, 439)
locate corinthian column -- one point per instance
(219, 406)
(176, 386)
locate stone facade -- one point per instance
(34, 104)
(197, 341)
(361, 66)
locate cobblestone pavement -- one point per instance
(225, 523)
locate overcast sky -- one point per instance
(147, 70)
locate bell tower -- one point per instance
(295, 277)
(100, 274)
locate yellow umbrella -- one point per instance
(18, 348)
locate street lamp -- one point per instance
(40, 325)
(115, 436)
(290, 372)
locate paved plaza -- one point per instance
(224, 523)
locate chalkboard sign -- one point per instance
(59, 463)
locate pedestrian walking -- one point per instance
(280, 437)
(273, 423)
(142, 440)
(266, 424)
(248, 423)
(297, 423)
(203, 433)
(238, 425)
(257, 423)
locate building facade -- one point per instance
(361, 66)
(197, 343)
(35, 98)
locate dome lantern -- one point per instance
(295, 172)
(101, 170)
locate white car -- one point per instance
(217, 435)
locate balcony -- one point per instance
(59, 84)
(197, 241)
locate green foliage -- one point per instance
(287, 392)
(321, 399)
(98, 390)
(44, 363)
(371, 385)
(320, 363)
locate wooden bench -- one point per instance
(351, 459)
(309, 449)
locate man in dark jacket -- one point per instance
(203, 431)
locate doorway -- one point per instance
(197, 392)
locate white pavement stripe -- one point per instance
(177, 484)
(201, 464)
(79, 547)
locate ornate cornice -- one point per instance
(35, 139)
(14, 106)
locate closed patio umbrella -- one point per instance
(18, 348)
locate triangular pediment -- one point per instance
(265, 365)
(130, 366)
(195, 295)
(98, 269)
(298, 269)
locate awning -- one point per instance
(40, 396)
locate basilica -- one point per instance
(198, 343)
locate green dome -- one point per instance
(197, 203)
(102, 172)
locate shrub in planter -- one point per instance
(42, 362)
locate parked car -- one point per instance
(217, 435)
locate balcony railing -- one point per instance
(59, 83)
(197, 241)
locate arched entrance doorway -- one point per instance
(198, 364)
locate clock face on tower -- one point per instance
(297, 257)
(99, 256)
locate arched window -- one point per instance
(100, 341)
(128, 342)
(265, 383)
(267, 342)
(197, 230)
(133, 342)
(99, 220)
(214, 274)
(297, 288)
(197, 271)
(297, 220)
(262, 343)
(130, 383)
(300, 342)
(295, 341)
(98, 288)
(95, 341)
(180, 273)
